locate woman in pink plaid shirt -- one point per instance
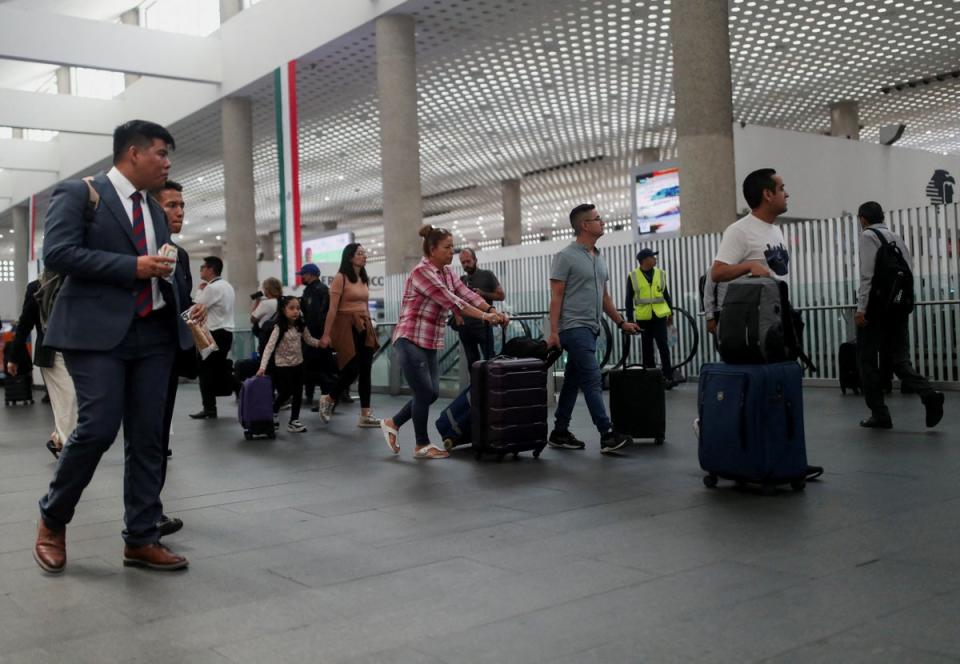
(431, 292)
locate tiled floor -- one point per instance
(323, 547)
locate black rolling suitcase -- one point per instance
(18, 388)
(638, 405)
(848, 369)
(508, 406)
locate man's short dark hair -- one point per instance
(140, 133)
(577, 213)
(871, 211)
(756, 183)
(171, 184)
(470, 249)
(214, 263)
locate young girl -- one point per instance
(288, 373)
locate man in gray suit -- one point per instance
(116, 322)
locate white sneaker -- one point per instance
(296, 426)
(368, 422)
(326, 409)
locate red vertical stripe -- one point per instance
(295, 161)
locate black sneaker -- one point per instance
(874, 422)
(204, 414)
(168, 525)
(564, 440)
(613, 441)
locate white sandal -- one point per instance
(431, 451)
(390, 431)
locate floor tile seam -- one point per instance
(863, 624)
(264, 546)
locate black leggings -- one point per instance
(359, 367)
(289, 384)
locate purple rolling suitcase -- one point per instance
(255, 408)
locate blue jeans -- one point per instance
(582, 373)
(420, 368)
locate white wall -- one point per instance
(827, 176)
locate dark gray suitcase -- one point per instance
(18, 388)
(508, 408)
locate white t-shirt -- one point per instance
(265, 308)
(752, 239)
(218, 297)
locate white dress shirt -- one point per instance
(125, 190)
(218, 297)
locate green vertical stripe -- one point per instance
(278, 115)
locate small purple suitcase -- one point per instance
(255, 408)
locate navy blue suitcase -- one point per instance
(751, 424)
(454, 422)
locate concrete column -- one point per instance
(21, 249)
(64, 84)
(399, 141)
(229, 9)
(131, 17)
(512, 215)
(236, 119)
(704, 115)
(267, 247)
(845, 120)
(648, 155)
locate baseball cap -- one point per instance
(645, 253)
(309, 268)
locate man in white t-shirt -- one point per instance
(754, 245)
(218, 297)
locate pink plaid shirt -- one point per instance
(428, 297)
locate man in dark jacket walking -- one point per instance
(314, 303)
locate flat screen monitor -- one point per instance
(326, 249)
(655, 194)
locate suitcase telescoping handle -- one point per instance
(626, 341)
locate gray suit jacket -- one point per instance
(96, 304)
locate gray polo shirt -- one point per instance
(585, 275)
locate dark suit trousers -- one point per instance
(119, 385)
(172, 384)
(213, 370)
(476, 341)
(881, 346)
(655, 330)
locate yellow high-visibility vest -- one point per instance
(648, 297)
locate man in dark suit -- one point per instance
(170, 198)
(115, 320)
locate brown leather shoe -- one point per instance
(153, 556)
(50, 551)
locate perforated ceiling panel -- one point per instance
(568, 92)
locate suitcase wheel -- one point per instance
(843, 390)
(710, 481)
(516, 454)
(798, 485)
(248, 435)
(659, 441)
(447, 444)
(536, 453)
(478, 455)
(272, 435)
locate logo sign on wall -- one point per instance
(941, 189)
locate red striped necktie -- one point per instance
(144, 301)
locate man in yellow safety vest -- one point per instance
(648, 303)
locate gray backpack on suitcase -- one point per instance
(758, 325)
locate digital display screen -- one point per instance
(327, 249)
(656, 200)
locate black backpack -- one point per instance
(891, 289)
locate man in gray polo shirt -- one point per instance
(578, 296)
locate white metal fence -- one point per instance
(824, 273)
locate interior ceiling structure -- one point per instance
(564, 94)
